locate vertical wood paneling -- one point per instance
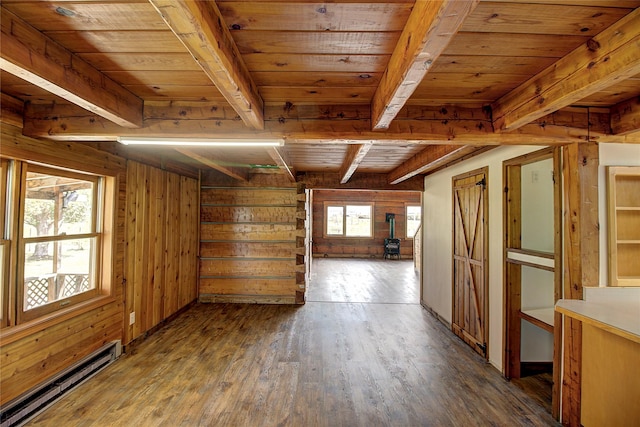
(383, 201)
(162, 246)
(155, 249)
(172, 246)
(189, 243)
(159, 185)
(31, 356)
(249, 237)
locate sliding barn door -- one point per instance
(469, 320)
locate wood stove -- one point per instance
(391, 245)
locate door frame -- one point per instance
(511, 270)
(485, 253)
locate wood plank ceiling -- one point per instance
(393, 87)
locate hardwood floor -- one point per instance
(538, 387)
(321, 364)
(364, 280)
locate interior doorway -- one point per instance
(355, 223)
(349, 229)
(533, 269)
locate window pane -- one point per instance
(66, 271)
(413, 220)
(3, 279)
(56, 205)
(335, 220)
(358, 221)
(4, 244)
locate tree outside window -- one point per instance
(59, 235)
(56, 240)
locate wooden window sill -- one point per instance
(11, 334)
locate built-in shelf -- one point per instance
(623, 186)
(541, 317)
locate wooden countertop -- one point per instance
(624, 323)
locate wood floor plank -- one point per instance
(347, 363)
(364, 280)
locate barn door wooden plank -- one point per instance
(467, 252)
(469, 275)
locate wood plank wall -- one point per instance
(373, 247)
(156, 243)
(30, 355)
(162, 246)
(252, 240)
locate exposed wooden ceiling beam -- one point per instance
(235, 173)
(606, 59)
(282, 160)
(434, 125)
(201, 28)
(34, 57)
(355, 155)
(11, 110)
(359, 181)
(428, 31)
(625, 117)
(431, 158)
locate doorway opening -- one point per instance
(350, 232)
(533, 272)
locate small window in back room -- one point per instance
(349, 220)
(358, 221)
(413, 220)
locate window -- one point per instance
(335, 220)
(60, 240)
(413, 220)
(4, 243)
(349, 220)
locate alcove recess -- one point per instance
(623, 192)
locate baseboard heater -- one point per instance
(23, 408)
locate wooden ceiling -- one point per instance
(398, 88)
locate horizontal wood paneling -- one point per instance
(247, 214)
(246, 267)
(230, 231)
(251, 249)
(247, 196)
(250, 238)
(38, 353)
(383, 202)
(162, 246)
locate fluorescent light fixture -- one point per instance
(200, 142)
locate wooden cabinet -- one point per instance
(623, 185)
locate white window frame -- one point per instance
(344, 234)
(406, 225)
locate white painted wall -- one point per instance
(438, 226)
(611, 155)
(536, 344)
(537, 206)
(437, 233)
